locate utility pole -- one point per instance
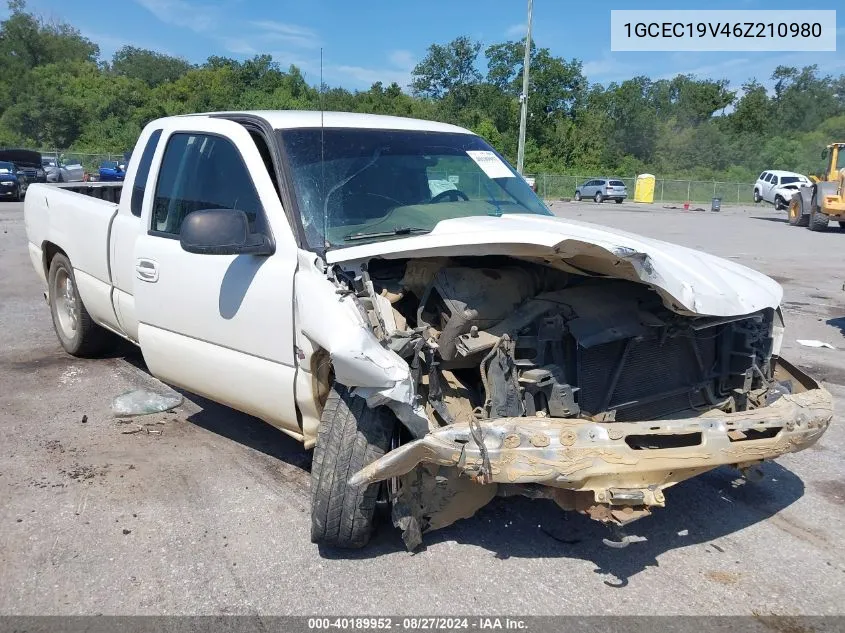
(523, 114)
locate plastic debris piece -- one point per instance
(814, 343)
(143, 402)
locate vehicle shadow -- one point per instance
(231, 424)
(769, 218)
(837, 322)
(698, 512)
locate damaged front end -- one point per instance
(519, 376)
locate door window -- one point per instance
(201, 171)
(774, 180)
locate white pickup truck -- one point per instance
(435, 345)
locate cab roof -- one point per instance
(290, 119)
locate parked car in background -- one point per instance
(778, 187)
(601, 189)
(27, 161)
(12, 182)
(111, 171)
(58, 171)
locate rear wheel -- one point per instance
(841, 224)
(598, 197)
(350, 436)
(618, 201)
(757, 197)
(577, 196)
(77, 332)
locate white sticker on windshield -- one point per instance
(490, 164)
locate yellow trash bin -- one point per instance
(644, 190)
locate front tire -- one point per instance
(795, 213)
(350, 436)
(780, 203)
(599, 198)
(818, 220)
(77, 332)
(577, 196)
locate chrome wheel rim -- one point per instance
(67, 307)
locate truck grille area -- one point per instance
(641, 379)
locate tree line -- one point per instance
(57, 92)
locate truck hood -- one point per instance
(689, 281)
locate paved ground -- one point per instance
(211, 517)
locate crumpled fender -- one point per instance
(332, 321)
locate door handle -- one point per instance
(146, 270)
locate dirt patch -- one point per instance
(84, 472)
(833, 490)
(722, 577)
(827, 373)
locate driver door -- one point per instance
(218, 325)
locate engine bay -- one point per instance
(499, 337)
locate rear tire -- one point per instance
(618, 201)
(757, 197)
(350, 436)
(599, 198)
(77, 332)
(818, 221)
(841, 224)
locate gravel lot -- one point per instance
(212, 516)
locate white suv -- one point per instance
(777, 187)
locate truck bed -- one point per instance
(108, 191)
(76, 218)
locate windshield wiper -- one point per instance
(399, 231)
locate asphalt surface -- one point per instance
(211, 516)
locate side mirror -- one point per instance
(222, 232)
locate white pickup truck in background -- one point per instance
(436, 346)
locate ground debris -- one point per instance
(144, 402)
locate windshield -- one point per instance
(109, 164)
(6, 168)
(785, 180)
(369, 185)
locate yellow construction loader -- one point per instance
(816, 205)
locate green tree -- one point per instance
(149, 66)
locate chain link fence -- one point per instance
(555, 186)
(549, 186)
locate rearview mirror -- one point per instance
(222, 232)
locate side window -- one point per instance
(201, 171)
(143, 171)
(774, 180)
(763, 176)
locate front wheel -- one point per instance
(577, 196)
(780, 203)
(77, 332)
(818, 220)
(599, 198)
(350, 436)
(795, 214)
